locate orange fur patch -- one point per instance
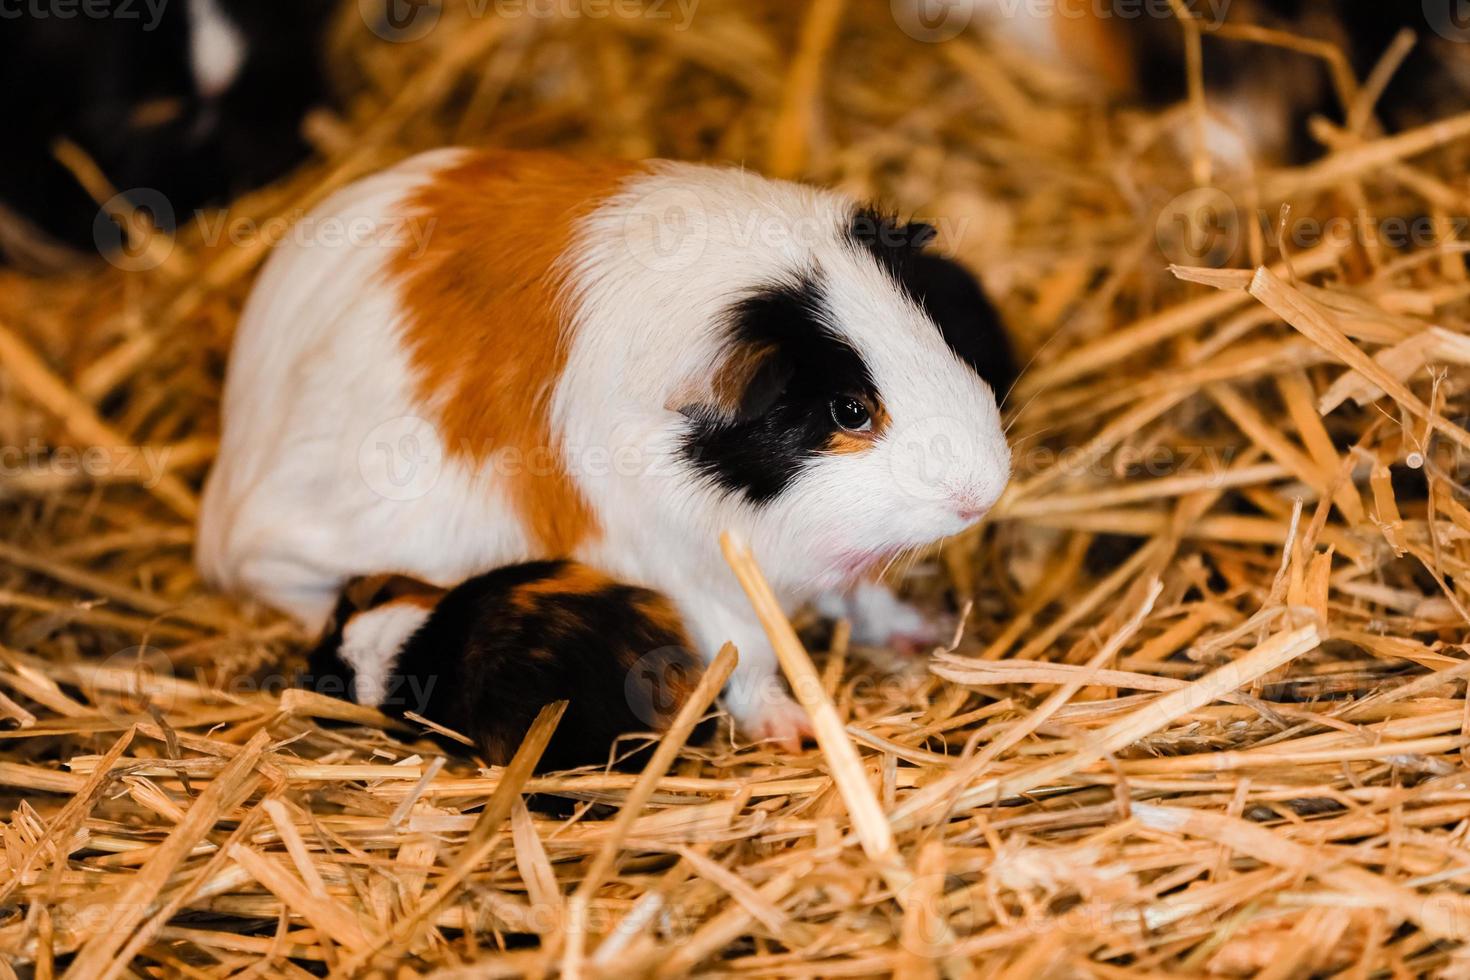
(370, 591)
(1098, 45)
(574, 579)
(659, 611)
(486, 327)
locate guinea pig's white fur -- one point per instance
(371, 641)
(217, 48)
(327, 367)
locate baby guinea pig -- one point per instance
(514, 356)
(483, 657)
(1260, 95)
(196, 100)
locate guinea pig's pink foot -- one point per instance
(881, 619)
(915, 644)
(783, 722)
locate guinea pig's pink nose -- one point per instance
(970, 510)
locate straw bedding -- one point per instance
(1205, 715)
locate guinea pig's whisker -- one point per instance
(1019, 443)
(1016, 416)
(889, 564)
(904, 558)
(1030, 363)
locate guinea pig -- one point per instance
(522, 356)
(1260, 95)
(483, 657)
(194, 101)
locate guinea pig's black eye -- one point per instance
(851, 414)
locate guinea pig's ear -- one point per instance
(948, 292)
(891, 240)
(954, 299)
(746, 381)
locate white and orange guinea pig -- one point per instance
(499, 356)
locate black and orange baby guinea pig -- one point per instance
(482, 658)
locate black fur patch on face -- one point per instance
(500, 646)
(786, 418)
(945, 290)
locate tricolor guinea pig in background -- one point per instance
(196, 100)
(1260, 94)
(614, 363)
(482, 658)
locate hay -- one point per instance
(1205, 714)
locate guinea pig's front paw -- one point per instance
(881, 619)
(781, 721)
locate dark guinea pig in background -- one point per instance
(484, 657)
(197, 100)
(1135, 50)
